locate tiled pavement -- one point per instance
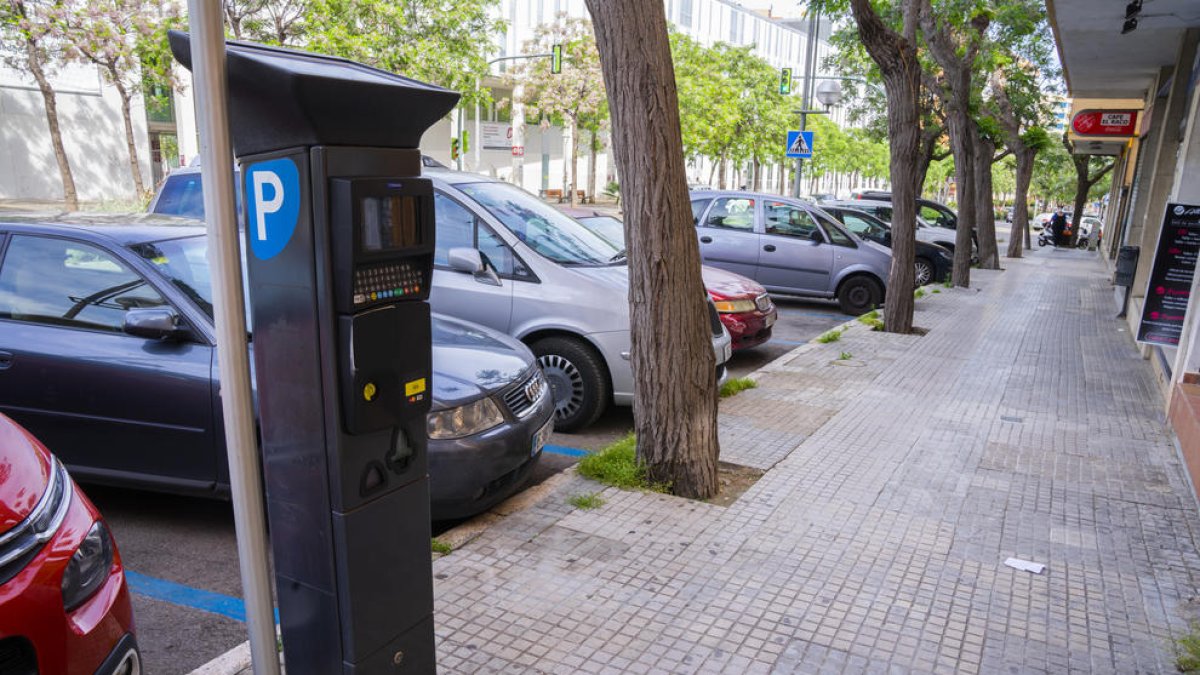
(1023, 424)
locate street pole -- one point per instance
(810, 71)
(478, 139)
(229, 314)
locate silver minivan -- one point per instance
(509, 261)
(790, 246)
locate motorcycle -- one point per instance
(1046, 238)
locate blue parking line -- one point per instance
(794, 343)
(186, 596)
(563, 450)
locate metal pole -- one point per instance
(475, 141)
(229, 313)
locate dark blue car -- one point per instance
(87, 368)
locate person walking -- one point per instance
(1058, 225)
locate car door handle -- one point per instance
(705, 240)
(6, 359)
(769, 248)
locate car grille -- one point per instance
(763, 302)
(523, 398)
(19, 545)
(17, 657)
(714, 320)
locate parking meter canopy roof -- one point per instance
(282, 98)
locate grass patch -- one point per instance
(586, 501)
(736, 386)
(1187, 651)
(871, 320)
(919, 293)
(845, 356)
(831, 336)
(947, 284)
(617, 465)
(936, 290)
(439, 546)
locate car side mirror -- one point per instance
(887, 239)
(159, 323)
(473, 262)
(817, 237)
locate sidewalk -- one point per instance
(1023, 424)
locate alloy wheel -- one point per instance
(566, 384)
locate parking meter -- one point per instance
(339, 241)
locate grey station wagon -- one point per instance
(790, 246)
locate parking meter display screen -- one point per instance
(389, 223)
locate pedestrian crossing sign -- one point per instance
(800, 144)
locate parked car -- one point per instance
(934, 213)
(790, 246)
(926, 231)
(64, 603)
(78, 369)
(743, 305)
(507, 260)
(933, 263)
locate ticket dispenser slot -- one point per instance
(339, 238)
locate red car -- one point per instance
(64, 604)
(743, 305)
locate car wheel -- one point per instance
(1041, 242)
(578, 381)
(923, 272)
(859, 295)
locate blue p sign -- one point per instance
(273, 199)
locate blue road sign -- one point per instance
(800, 144)
(273, 203)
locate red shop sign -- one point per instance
(1105, 123)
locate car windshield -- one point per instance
(184, 263)
(607, 227)
(550, 233)
(182, 195)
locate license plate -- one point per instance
(770, 320)
(541, 438)
(726, 352)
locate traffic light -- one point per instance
(785, 81)
(454, 149)
(556, 60)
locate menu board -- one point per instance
(1170, 284)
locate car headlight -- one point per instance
(89, 567)
(464, 420)
(945, 254)
(733, 306)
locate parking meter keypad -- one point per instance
(385, 282)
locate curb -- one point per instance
(237, 660)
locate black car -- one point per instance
(933, 263)
(123, 407)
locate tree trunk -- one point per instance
(964, 177)
(896, 56)
(135, 169)
(721, 164)
(675, 411)
(574, 163)
(985, 207)
(568, 151)
(1020, 221)
(70, 196)
(757, 187)
(595, 148)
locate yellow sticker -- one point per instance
(415, 387)
(369, 391)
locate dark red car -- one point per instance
(743, 305)
(64, 604)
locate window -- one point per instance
(66, 283)
(459, 228)
(864, 228)
(685, 13)
(837, 237)
(735, 213)
(935, 216)
(789, 220)
(182, 195)
(698, 207)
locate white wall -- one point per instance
(89, 114)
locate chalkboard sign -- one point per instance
(1170, 284)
